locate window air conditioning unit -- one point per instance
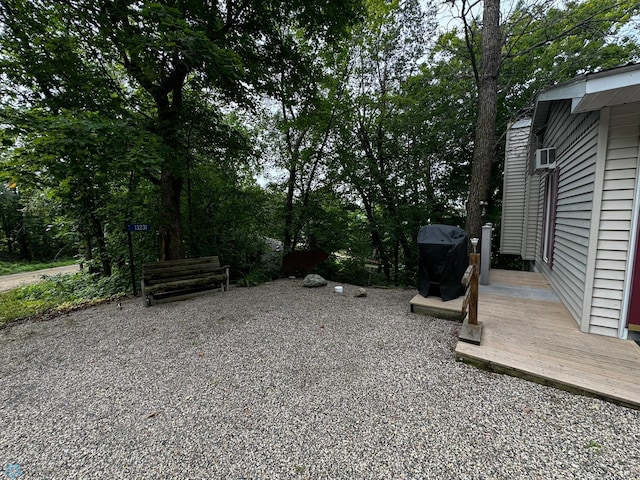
(545, 158)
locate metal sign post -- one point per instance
(134, 227)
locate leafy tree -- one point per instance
(486, 76)
(68, 130)
(33, 227)
(147, 54)
(301, 131)
(443, 112)
(80, 157)
(234, 217)
(11, 221)
(382, 160)
(537, 44)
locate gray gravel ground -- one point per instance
(279, 381)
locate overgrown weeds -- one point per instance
(59, 293)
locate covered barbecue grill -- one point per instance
(444, 258)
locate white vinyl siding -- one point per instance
(514, 188)
(530, 227)
(616, 216)
(575, 139)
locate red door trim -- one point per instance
(633, 319)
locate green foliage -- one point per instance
(226, 216)
(60, 292)
(117, 89)
(105, 104)
(507, 262)
(594, 446)
(80, 160)
(254, 276)
(547, 44)
(13, 307)
(384, 160)
(325, 222)
(32, 227)
(353, 270)
(11, 222)
(74, 289)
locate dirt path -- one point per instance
(15, 280)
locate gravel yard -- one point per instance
(279, 381)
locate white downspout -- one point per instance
(628, 279)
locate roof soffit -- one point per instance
(590, 92)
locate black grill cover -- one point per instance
(444, 258)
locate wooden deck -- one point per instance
(529, 333)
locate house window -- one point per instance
(549, 215)
(545, 159)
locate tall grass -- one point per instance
(59, 293)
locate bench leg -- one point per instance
(149, 301)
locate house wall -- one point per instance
(575, 139)
(514, 188)
(532, 217)
(615, 220)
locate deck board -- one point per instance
(538, 339)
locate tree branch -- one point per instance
(562, 33)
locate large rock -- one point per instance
(313, 280)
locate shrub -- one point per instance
(60, 292)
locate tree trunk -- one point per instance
(9, 243)
(171, 246)
(171, 177)
(193, 246)
(21, 237)
(102, 246)
(288, 215)
(376, 238)
(486, 120)
(88, 247)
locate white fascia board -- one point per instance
(602, 83)
(575, 89)
(590, 92)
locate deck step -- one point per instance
(528, 333)
(435, 307)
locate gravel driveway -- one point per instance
(279, 381)
(15, 280)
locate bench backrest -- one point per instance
(157, 272)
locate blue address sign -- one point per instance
(139, 227)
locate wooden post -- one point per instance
(485, 253)
(132, 267)
(474, 259)
(471, 331)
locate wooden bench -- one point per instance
(180, 279)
